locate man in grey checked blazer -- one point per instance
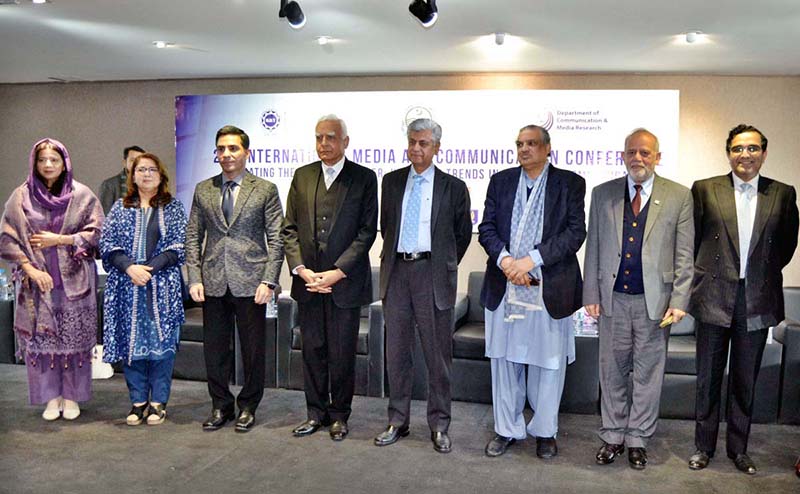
(234, 274)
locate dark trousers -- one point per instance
(746, 348)
(330, 336)
(410, 303)
(220, 316)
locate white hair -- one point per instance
(333, 118)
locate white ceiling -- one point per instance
(101, 40)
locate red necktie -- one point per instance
(636, 203)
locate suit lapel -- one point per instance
(656, 197)
(397, 194)
(215, 200)
(552, 192)
(618, 208)
(344, 180)
(726, 202)
(439, 188)
(312, 183)
(248, 184)
(764, 205)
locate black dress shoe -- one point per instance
(699, 460)
(608, 453)
(498, 445)
(245, 421)
(744, 463)
(546, 447)
(217, 419)
(338, 430)
(441, 442)
(391, 435)
(307, 428)
(637, 458)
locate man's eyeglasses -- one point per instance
(752, 149)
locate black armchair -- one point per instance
(369, 351)
(787, 333)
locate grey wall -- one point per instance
(96, 120)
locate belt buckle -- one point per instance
(409, 256)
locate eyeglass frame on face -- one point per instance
(750, 148)
(144, 171)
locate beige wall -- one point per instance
(96, 120)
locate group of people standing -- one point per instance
(655, 252)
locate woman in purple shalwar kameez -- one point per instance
(49, 234)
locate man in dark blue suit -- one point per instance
(533, 224)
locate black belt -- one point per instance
(413, 256)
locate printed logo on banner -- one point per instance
(473, 213)
(544, 119)
(414, 113)
(270, 120)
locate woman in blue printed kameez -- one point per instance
(142, 250)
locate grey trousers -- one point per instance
(632, 346)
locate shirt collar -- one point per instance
(427, 175)
(337, 166)
(737, 182)
(647, 185)
(238, 179)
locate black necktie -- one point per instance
(227, 201)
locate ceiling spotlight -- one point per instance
(293, 13)
(40, 1)
(323, 40)
(693, 36)
(162, 44)
(426, 12)
(499, 38)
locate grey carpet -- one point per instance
(98, 453)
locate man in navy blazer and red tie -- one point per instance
(746, 233)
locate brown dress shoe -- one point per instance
(637, 458)
(608, 453)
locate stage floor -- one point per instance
(99, 453)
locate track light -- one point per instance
(425, 12)
(499, 38)
(293, 13)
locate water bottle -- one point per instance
(6, 292)
(272, 307)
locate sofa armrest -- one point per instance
(287, 321)
(779, 331)
(376, 338)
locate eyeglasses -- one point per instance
(752, 149)
(145, 171)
